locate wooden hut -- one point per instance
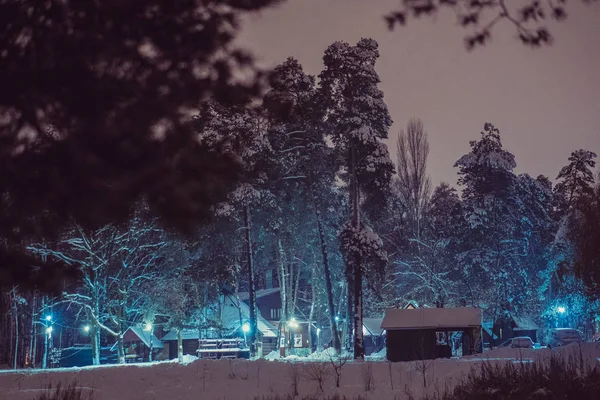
(414, 334)
(138, 343)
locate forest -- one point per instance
(340, 227)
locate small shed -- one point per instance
(525, 326)
(189, 342)
(138, 343)
(413, 334)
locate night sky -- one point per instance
(546, 102)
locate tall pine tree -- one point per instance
(358, 119)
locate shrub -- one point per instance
(557, 378)
(69, 392)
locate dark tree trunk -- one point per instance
(95, 331)
(46, 340)
(179, 345)
(33, 340)
(16, 319)
(251, 294)
(95, 339)
(120, 341)
(283, 288)
(349, 310)
(359, 348)
(121, 348)
(356, 266)
(326, 271)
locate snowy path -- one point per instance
(242, 379)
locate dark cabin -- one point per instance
(138, 343)
(234, 314)
(525, 326)
(268, 303)
(415, 334)
(189, 342)
(507, 327)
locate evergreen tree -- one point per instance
(307, 167)
(576, 179)
(497, 236)
(585, 235)
(244, 132)
(357, 119)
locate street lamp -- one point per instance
(246, 327)
(318, 339)
(561, 309)
(47, 322)
(150, 328)
(86, 328)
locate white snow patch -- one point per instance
(243, 379)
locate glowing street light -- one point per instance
(318, 331)
(148, 327)
(49, 330)
(561, 309)
(293, 323)
(337, 318)
(86, 328)
(48, 317)
(246, 327)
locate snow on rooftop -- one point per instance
(186, 334)
(259, 293)
(146, 337)
(432, 318)
(233, 311)
(373, 326)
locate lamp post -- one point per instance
(282, 340)
(318, 339)
(150, 328)
(292, 324)
(561, 312)
(47, 322)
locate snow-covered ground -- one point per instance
(243, 379)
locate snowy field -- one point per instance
(243, 379)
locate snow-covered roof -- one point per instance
(230, 320)
(373, 326)
(488, 328)
(424, 318)
(186, 334)
(259, 293)
(524, 322)
(233, 310)
(146, 337)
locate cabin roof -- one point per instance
(146, 337)
(373, 326)
(258, 293)
(431, 318)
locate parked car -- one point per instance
(562, 336)
(519, 342)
